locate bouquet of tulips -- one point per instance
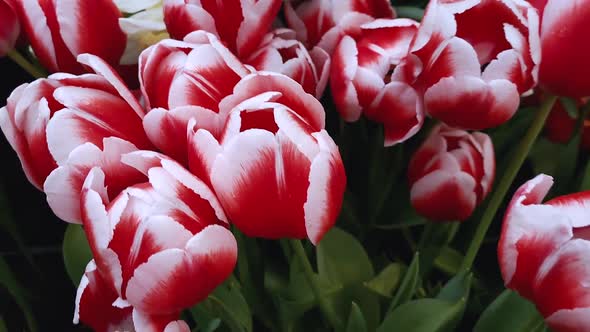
(307, 165)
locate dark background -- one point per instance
(47, 287)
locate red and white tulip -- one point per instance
(544, 253)
(324, 22)
(187, 79)
(281, 53)
(451, 47)
(451, 173)
(240, 24)
(60, 30)
(362, 83)
(160, 244)
(275, 170)
(94, 308)
(46, 120)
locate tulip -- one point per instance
(163, 245)
(94, 307)
(361, 81)
(9, 27)
(184, 80)
(324, 22)
(60, 30)
(544, 252)
(46, 120)
(451, 173)
(564, 69)
(275, 170)
(281, 53)
(451, 47)
(240, 24)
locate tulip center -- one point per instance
(259, 119)
(582, 233)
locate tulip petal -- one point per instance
(174, 279)
(530, 233)
(64, 184)
(327, 183)
(94, 307)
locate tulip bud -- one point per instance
(451, 173)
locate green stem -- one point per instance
(325, 306)
(503, 186)
(25, 64)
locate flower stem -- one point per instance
(25, 64)
(503, 186)
(325, 306)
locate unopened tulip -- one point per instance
(451, 173)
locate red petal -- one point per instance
(327, 183)
(530, 233)
(470, 103)
(175, 279)
(94, 304)
(562, 281)
(91, 27)
(258, 18)
(159, 65)
(182, 19)
(243, 183)
(168, 129)
(9, 27)
(23, 121)
(564, 70)
(292, 95)
(63, 186)
(397, 107)
(90, 116)
(444, 196)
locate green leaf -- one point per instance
(356, 320)
(250, 272)
(408, 285)
(585, 183)
(425, 315)
(387, 280)
(228, 304)
(432, 315)
(342, 260)
(456, 288)
(570, 106)
(449, 260)
(3, 327)
(298, 297)
(508, 312)
(76, 252)
(9, 281)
